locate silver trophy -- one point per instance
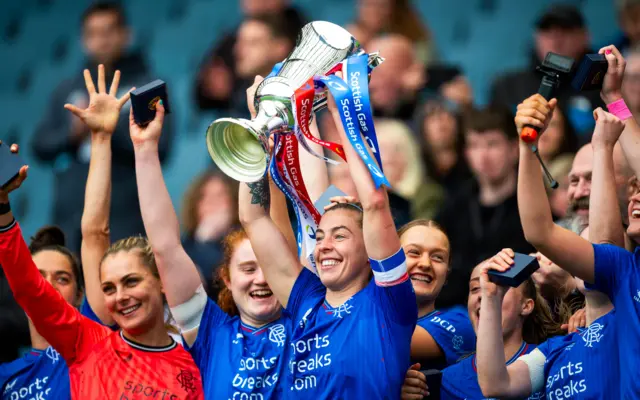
(240, 147)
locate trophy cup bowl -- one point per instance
(240, 147)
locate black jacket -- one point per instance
(52, 145)
(476, 233)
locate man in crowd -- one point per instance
(396, 83)
(219, 82)
(482, 217)
(63, 141)
(561, 30)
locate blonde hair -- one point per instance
(141, 246)
(400, 134)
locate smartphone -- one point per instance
(10, 164)
(434, 381)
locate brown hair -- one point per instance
(404, 20)
(354, 207)
(540, 324)
(225, 298)
(489, 119)
(140, 245)
(194, 193)
(52, 238)
(429, 224)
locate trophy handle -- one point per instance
(235, 147)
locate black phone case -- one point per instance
(522, 268)
(144, 100)
(590, 73)
(10, 164)
(434, 381)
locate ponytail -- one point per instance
(540, 324)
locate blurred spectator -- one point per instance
(400, 207)
(558, 139)
(403, 167)
(209, 212)
(218, 79)
(377, 17)
(559, 197)
(482, 217)
(14, 326)
(629, 19)
(442, 144)
(562, 30)
(63, 140)
(580, 185)
(631, 82)
(396, 83)
(261, 42)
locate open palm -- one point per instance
(104, 108)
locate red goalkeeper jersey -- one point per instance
(102, 364)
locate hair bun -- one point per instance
(46, 237)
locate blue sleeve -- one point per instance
(398, 302)
(201, 350)
(393, 290)
(306, 292)
(453, 333)
(87, 311)
(611, 265)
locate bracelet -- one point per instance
(5, 208)
(619, 109)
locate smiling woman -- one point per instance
(441, 337)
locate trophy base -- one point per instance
(235, 148)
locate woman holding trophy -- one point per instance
(342, 318)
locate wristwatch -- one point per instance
(5, 208)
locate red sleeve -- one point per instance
(61, 324)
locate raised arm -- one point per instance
(605, 220)
(495, 378)
(561, 246)
(101, 118)
(380, 235)
(179, 275)
(611, 93)
(279, 264)
(60, 323)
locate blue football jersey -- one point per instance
(617, 274)
(460, 381)
(358, 350)
(583, 365)
(39, 374)
(452, 331)
(238, 361)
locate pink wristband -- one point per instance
(619, 109)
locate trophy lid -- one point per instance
(333, 35)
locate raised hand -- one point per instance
(551, 279)
(22, 175)
(577, 320)
(251, 95)
(339, 200)
(148, 134)
(500, 262)
(101, 116)
(612, 84)
(535, 111)
(608, 129)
